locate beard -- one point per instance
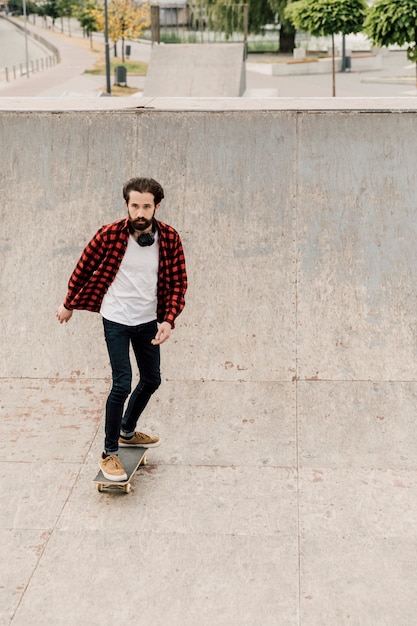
(141, 224)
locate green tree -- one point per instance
(42, 13)
(327, 17)
(87, 19)
(51, 9)
(67, 8)
(226, 16)
(260, 13)
(394, 22)
(16, 7)
(126, 19)
(287, 30)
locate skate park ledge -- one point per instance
(208, 104)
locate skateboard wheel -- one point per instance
(144, 461)
(100, 487)
(127, 488)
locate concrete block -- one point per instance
(363, 63)
(299, 53)
(300, 66)
(308, 66)
(196, 70)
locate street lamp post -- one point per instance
(26, 38)
(106, 47)
(343, 53)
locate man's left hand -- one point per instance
(163, 334)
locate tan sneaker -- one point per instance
(112, 468)
(140, 440)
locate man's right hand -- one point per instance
(63, 314)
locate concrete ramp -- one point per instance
(285, 489)
(196, 70)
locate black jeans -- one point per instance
(118, 340)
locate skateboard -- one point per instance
(131, 458)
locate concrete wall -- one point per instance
(299, 228)
(325, 66)
(299, 67)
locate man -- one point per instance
(132, 272)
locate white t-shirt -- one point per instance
(132, 297)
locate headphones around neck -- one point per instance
(146, 239)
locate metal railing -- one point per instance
(13, 72)
(38, 65)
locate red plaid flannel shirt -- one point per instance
(100, 262)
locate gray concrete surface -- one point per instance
(196, 70)
(285, 492)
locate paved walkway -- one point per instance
(67, 79)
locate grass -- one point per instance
(118, 90)
(185, 37)
(133, 68)
(262, 46)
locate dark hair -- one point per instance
(143, 185)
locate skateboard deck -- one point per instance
(131, 458)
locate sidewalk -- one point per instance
(67, 79)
